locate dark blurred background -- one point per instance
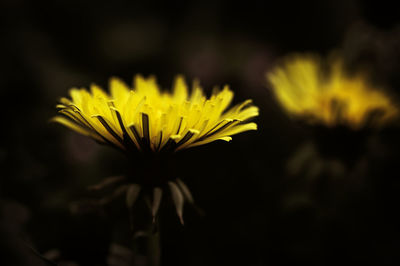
(257, 210)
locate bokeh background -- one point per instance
(258, 210)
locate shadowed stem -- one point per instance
(147, 243)
(153, 249)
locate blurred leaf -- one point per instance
(188, 196)
(157, 195)
(336, 168)
(185, 191)
(106, 183)
(85, 206)
(132, 194)
(178, 199)
(43, 258)
(301, 158)
(316, 166)
(117, 192)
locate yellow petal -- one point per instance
(68, 123)
(119, 89)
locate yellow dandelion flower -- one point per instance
(331, 97)
(157, 123)
(151, 120)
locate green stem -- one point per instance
(153, 249)
(147, 245)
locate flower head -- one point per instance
(332, 98)
(145, 118)
(148, 119)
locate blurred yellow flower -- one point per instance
(152, 120)
(331, 97)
